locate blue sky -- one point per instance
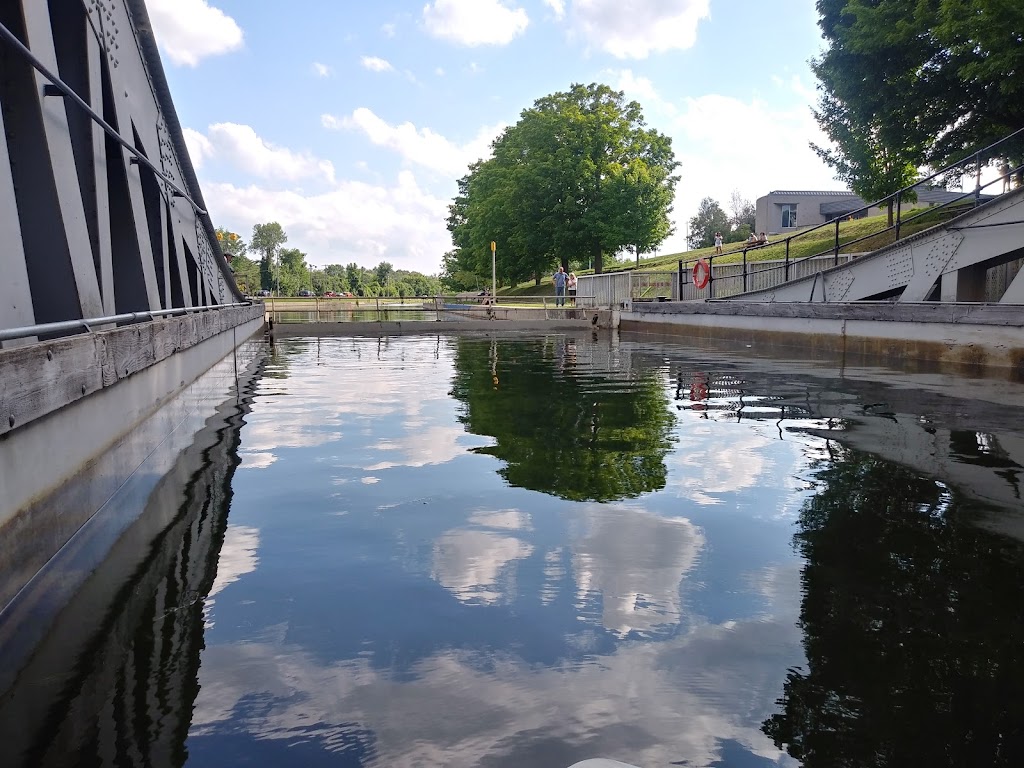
(349, 122)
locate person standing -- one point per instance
(570, 284)
(718, 242)
(560, 279)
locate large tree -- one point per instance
(580, 175)
(710, 219)
(904, 83)
(294, 273)
(267, 240)
(743, 215)
(867, 86)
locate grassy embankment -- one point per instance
(802, 246)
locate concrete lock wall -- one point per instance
(977, 336)
(80, 415)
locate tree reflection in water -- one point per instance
(564, 426)
(913, 628)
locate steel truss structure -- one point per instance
(100, 210)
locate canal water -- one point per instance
(532, 550)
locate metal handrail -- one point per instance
(110, 131)
(973, 159)
(87, 323)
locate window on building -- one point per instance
(788, 215)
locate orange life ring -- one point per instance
(701, 274)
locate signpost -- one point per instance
(494, 282)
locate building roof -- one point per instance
(929, 196)
(812, 193)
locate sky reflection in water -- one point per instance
(467, 551)
(384, 593)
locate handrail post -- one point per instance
(744, 271)
(899, 211)
(711, 277)
(679, 280)
(835, 261)
(786, 270)
(977, 182)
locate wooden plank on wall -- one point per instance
(44, 377)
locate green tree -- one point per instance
(905, 83)
(457, 276)
(353, 278)
(569, 442)
(383, 271)
(247, 274)
(267, 240)
(579, 175)
(867, 94)
(231, 242)
(710, 219)
(294, 274)
(743, 215)
(983, 41)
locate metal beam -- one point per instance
(15, 295)
(84, 233)
(99, 158)
(39, 33)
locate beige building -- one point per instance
(781, 212)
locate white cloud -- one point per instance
(199, 147)
(332, 123)
(640, 89)
(475, 22)
(636, 29)
(321, 70)
(388, 30)
(376, 64)
(190, 30)
(725, 144)
(418, 145)
(353, 221)
(348, 222)
(558, 6)
(243, 148)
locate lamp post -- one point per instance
(494, 280)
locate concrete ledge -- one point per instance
(160, 534)
(76, 398)
(65, 467)
(925, 312)
(975, 335)
(590, 318)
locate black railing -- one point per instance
(973, 162)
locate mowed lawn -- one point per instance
(803, 244)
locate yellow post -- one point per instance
(494, 281)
